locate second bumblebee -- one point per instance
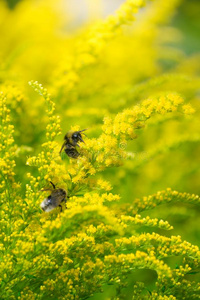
(54, 200)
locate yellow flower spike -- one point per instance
(94, 43)
(165, 197)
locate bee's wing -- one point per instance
(62, 146)
(57, 197)
(55, 200)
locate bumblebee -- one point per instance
(55, 199)
(71, 140)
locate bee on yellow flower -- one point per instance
(71, 140)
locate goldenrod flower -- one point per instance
(128, 80)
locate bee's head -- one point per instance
(46, 204)
(77, 137)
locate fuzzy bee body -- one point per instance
(71, 140)
(71, 151)
(54, 200)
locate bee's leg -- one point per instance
(60, 207)
(66, 202)
(81, 140)
(45, 189)
(62, 147)
(53, 185)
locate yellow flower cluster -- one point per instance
(163, 246)
(96, 155)
(53, 128)
(46, 163)
(111, 145)
(104, 237)
(162, 197)
(138, 220)
(87, 52)
(125, 262)
(107, 29)
(135, 118)
(8, 186)
(7, 148)
(91, 246)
